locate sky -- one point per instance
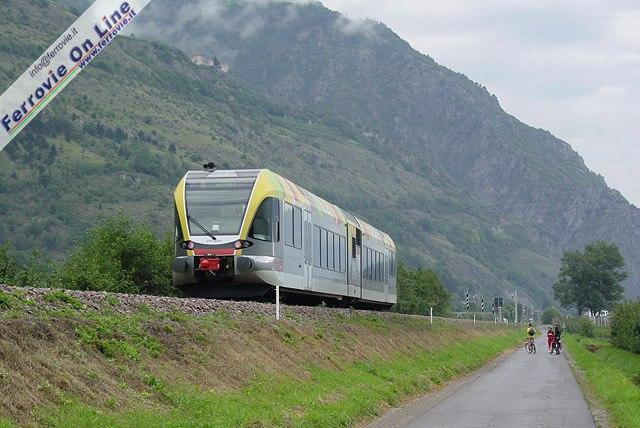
(570, 67)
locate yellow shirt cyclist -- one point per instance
(531, 332)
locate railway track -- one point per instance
(130, 303)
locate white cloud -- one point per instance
(571, 67)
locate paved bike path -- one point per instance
(522, 390)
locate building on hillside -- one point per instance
(199, 59)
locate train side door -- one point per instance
(354, 276)
(308, 252)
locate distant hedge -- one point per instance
(625, 326)
(583, 326)
(419, 290)
(118, 255)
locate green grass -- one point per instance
(326, 398)
(610, 373)
(5, 424)
(59, 296)
(117, 336)
(6, 301)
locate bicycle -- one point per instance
(530, 346)
(556, 347)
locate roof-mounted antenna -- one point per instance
(210, 167)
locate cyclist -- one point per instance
(557, 331)
(550, 337)
(531, 332)
(556, 340)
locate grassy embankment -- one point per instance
(612, 374)
(62, 364)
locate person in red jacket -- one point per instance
(550, 337)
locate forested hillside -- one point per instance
(453, 130)
(121, 135)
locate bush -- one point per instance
(420, 290)
(582, 326)
(586, 327)
(120, 256)
(625, 326)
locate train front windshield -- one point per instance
(218, 204)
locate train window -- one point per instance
(316, 246)
(323, 248)
(330, 249)
(385, 271)
(297, 227)
(353, 247)
(342, 256)
(374, 257)
(336, 253)
(288, 224)
(363, 260)
(264, 226)
(275, 218)
(217, 204)
(376, 266)
(368, 260)
(380, 267)
(372, 265)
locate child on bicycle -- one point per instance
(531, 332)
(550, 337)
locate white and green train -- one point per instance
(239, 233)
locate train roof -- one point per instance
(291, 192)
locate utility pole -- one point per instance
(515, 299)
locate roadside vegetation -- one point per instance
(609, 359)
(66, 363)
(625, 326)
(612, 374)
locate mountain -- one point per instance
(123, 132)
(453, 129)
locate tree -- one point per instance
(549, 315)
(591, 279)
(420, 290)
(120, 256)
(8, 266)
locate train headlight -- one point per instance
(188, 245)
(241, 244)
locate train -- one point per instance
(241, 233)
